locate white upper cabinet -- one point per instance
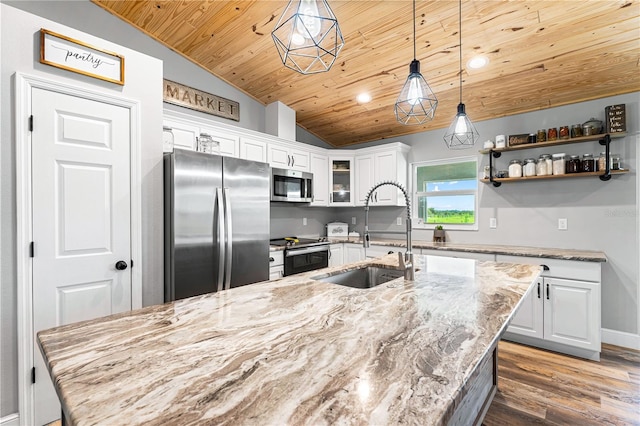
(341, 173)
(253, 149)
(184, 134)
(229, 143)
(319, 167)
(288, 157)
(380, 164)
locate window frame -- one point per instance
(417, 222)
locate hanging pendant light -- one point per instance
(307, 36)
(416, 103)
(461, 133)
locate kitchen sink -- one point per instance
(366, 277)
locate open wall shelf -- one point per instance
(565, 176)
(554, 143)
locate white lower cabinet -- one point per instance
(276, 264)
(336, 255)
(562, 311)
(377, 251)
(353, 252)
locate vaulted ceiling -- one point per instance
(542, 54)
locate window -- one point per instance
(445, 192)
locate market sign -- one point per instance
(188, 97)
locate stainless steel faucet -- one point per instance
(406, 263)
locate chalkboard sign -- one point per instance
(616, 118)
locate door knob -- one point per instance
(121, 265)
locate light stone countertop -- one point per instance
(548, 253)
(292, 351)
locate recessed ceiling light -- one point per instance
(363, 98)
(478, 62)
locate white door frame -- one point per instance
(23, 86)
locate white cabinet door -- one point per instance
(319, 166)
(386, 169)
(341, 181)
(254, 150)
(276, 264)
(286, 157)
(184, 134)
(353, 253)
(300, 160)
(336, 255)
(529, 320)
(364, 174)
(572, 312)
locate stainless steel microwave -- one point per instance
(291, 186)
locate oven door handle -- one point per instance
(307, 250)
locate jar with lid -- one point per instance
(529, 168)
(576, 130)
(602, 162)
(167, 139)
(544, 165)
(558, 164)
(552, 134)
(574, 165)
(588, 163)
(487, 172)
(207, 144)
(615, 162)
(564, 132)
(515, 168)
(542, 135)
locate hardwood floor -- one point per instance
(541, 387)
(538, 387)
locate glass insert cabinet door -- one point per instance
(341, 181)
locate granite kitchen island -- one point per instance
(297, 351)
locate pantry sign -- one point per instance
(188, 97)
(73, 55)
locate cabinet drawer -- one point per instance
(276, 258)
(571, 269)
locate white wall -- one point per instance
(143, 76)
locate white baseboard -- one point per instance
(10, 420)
(620, 338)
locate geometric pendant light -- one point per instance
(307, 36)
(461, 133)
(416, 103)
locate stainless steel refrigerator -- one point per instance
(216, 223)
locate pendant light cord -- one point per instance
(414, 30)
(460, 35)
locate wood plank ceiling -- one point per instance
(542, 54)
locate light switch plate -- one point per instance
(353, 220)
(493, 223)
(399, 221)
(304, 221)
(562, 224)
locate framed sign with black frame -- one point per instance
(73, 55)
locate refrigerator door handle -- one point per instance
(221, 238)
(228, 239)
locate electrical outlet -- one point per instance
(304, 221)
(493, 223)
(563, 224)
(399, 221)
(353, 220)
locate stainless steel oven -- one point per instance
(303, 255)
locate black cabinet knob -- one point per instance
(121, 265)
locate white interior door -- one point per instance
(81, 219)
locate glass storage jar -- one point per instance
(564, 132)
(207, 144)
(542, 135)
(529, 168)
(544, 165)
(558, 164)
(615, 162)
(602, 162)
(552, 134)
(167, 139)
(576, 130)
(588, 163)
(574, 165)
(515, 168)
